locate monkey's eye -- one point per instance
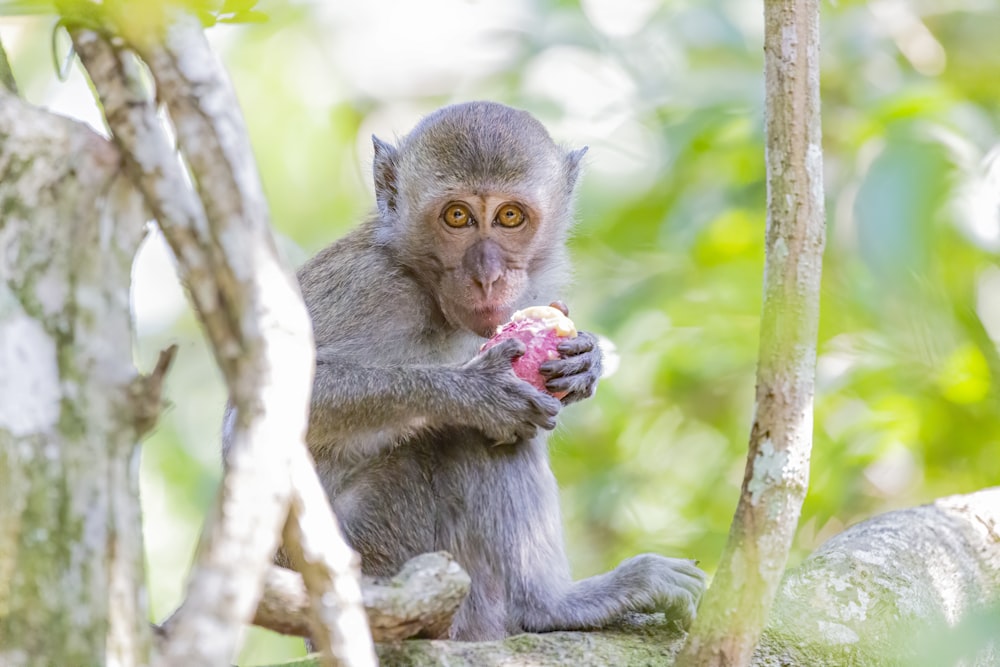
(510, 215)
(458, 215)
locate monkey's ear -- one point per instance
(384, 169)
(574, 160)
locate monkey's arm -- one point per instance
(577, 371)
(351, 398)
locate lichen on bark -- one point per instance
(69, 531)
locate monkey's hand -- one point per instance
(506, 408)
(671, 585)
(576, 371)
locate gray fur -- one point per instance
(421, 443)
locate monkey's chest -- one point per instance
(446, 472)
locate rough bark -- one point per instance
(897, 591)
(257, 324)
(913, 588)
(419, 601)
(735, 608)
(72, 586)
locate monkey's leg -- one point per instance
(482, 616)
(644, 583)
(544, 596)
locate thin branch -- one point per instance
(225, 581)
(420, 601)
(7, 79)
(734, 610)
(330, 569)
(147, 392)
(249, 305)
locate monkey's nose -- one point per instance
(485, 282)
(485, 263)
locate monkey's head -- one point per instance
(477, 201)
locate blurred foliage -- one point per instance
(668, 94)
(93, 14)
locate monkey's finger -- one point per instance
(692, 581)
(561, 307)
(584, 342)
(693, 585)
(558, 368)
(511, 348)
(576, 396)
(579, 386)
(548, 423)
(688, 567)
(546, 405)
(539, 419)
(528, 430)
(687, 612)
(680, 608)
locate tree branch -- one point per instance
(255, 319)
(420, 601)
(7, 79)
(330, 570)
(735, 608)
(147, 392)
(895, 589)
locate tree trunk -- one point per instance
(735, 608)
(72, 587)
(72, 590)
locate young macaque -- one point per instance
(422, 442)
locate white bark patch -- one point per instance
(780, 253)
(51, 291)
(789, 42)
(835, 633)
(767, 469)
(869, 557)
(814, 169)
(29, 377)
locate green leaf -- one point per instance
(27, 7)
(237, 6)
(207, 18)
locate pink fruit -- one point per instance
(541, 329)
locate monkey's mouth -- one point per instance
(484, 320)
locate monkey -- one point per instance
(422, 443)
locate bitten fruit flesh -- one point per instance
(541, 329)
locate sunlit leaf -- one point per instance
(733, 234)
(237, 6)
(965, 377)
(27, 7)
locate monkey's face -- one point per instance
(486, 244)
(476, 202)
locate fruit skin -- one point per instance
(541, 329)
